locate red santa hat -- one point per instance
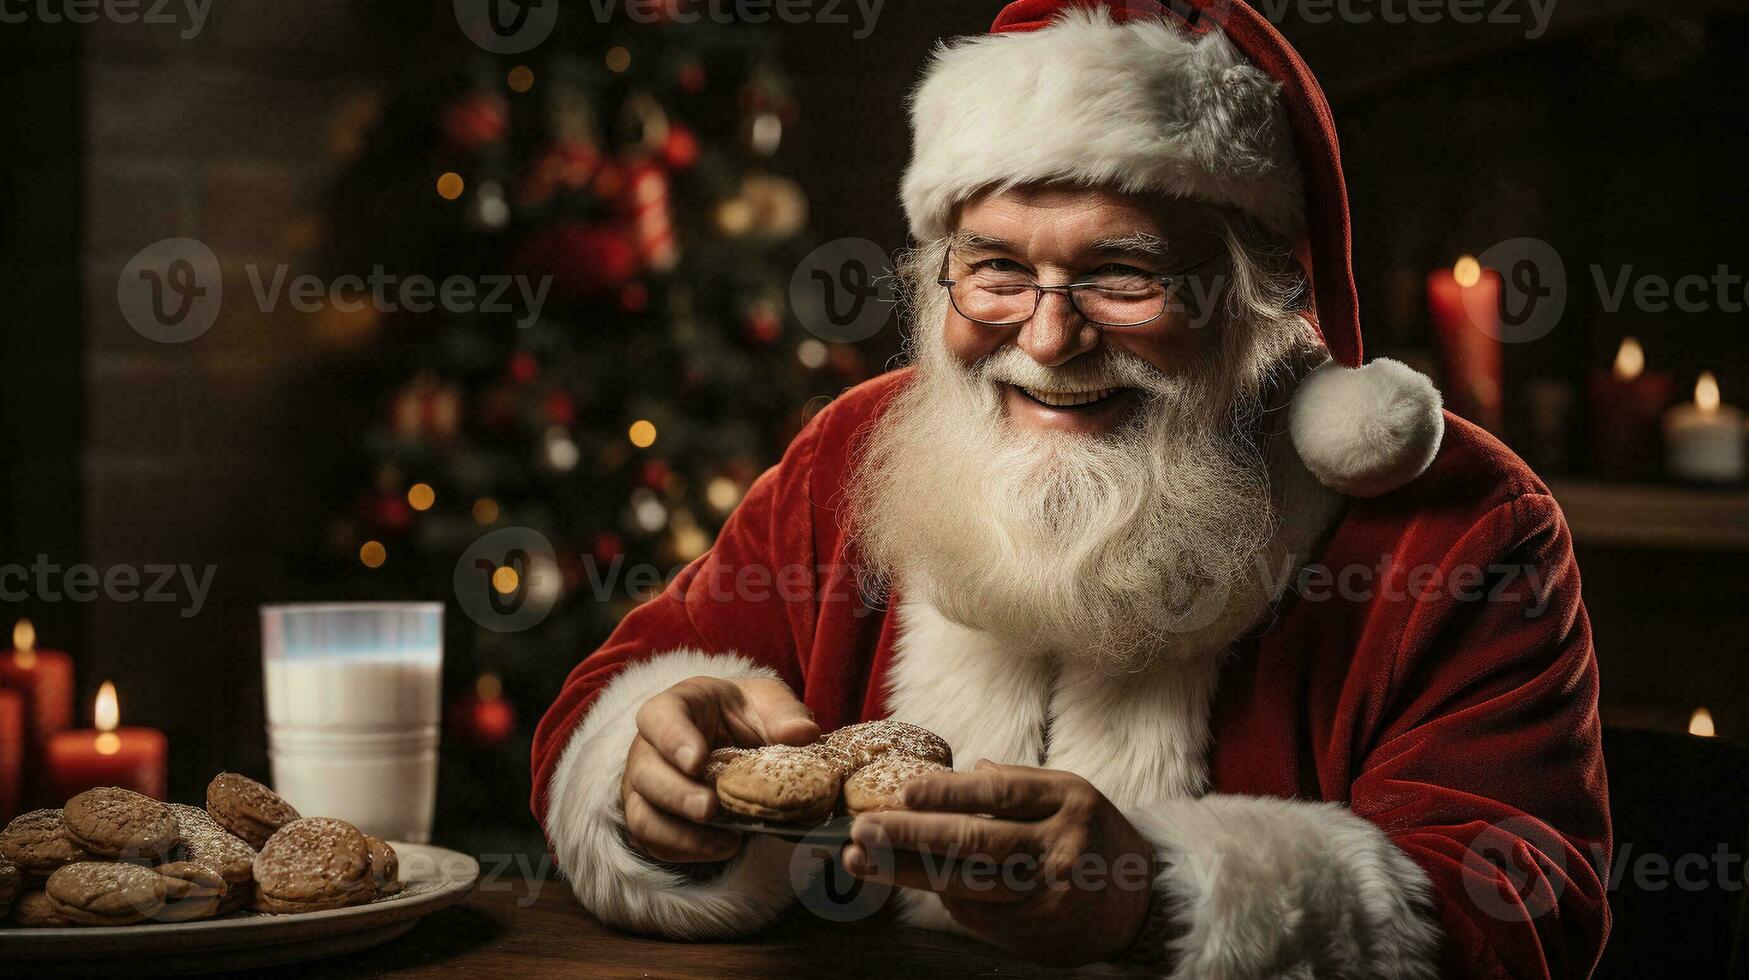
(1205, 100)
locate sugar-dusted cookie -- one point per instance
(35, 910)
(312, 864)
(106, 893)
(200, 838)
(720, 759)
(872, 739)
(385, 866)
(38, 844)
(780, 782)
(119, 823)
(876, 786)
(837, 756)
(192, 890)
(246, 808)
(11, 882)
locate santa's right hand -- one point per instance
(667, 803)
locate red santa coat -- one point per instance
(1397, 771)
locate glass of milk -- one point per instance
(352, 691)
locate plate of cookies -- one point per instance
(814, 791)
(117, 882)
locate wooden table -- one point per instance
(527, 930)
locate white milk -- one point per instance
(355, 737)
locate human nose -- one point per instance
(1057, 333)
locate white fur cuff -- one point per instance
(586, 823)
(1266, 887)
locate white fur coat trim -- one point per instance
(586, 823)
(1138, 106)
(1265, 887)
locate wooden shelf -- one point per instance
(1650, 516)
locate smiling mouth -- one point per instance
(1070, 399)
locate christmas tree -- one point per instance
(548, 449)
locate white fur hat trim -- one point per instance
(1137, 106)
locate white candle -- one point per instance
(1703, 439)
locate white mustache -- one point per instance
(1095, 371)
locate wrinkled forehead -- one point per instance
(1059, 216)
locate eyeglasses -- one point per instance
(1004, 297)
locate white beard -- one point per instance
(1149, 543)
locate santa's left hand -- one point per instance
(1036, 860)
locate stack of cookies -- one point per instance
(113, 857)
(858, 769)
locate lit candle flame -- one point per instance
(1706, 392)
(108, 715)
(108, 711)
(1467, 271)
(1701, 723)
(1630, 359)
(24, 642)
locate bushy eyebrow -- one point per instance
(1139, 242)
(1135, 243)
(973, 241)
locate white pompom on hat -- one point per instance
(1203, 99)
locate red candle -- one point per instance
(11, 754)
(1465, 303)
(132, 758)
(44, 682)
(1627, 402)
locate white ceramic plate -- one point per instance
(431, 878)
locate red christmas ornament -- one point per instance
(583, 260)
(523, 367)
(656, 474)
(568, 165)
(607, 547)
(560, 408)
(693, 77)
(763, 325)
(390, 512)
(483, 717)
(634, 297)
(648, 205)
(475, 120)
(680, 149)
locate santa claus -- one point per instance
(1182, 582)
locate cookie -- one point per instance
(200, 838)
(237, 896)
(246, 808)
(780, 782)
(312, 864)
(872, 739)
(37, 843)
(837, 756)
(36, 910)
(192, 890)
(876, 786)
(720, 759)
(106, 893)
(385, 866)
(11, 881)
(119, 823)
